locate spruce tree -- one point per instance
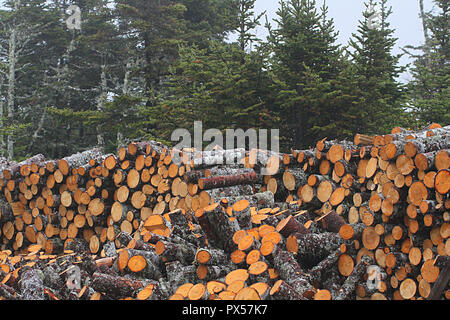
(429, 89)
(83, 74)
(246, 22)
(160, 29)
(25, 30)
(305, 63)
(224, 85)
(377, 68)
(208, 20)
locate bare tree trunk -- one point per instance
(62, 70)
(12, 59)
(424, 24)
(125, 91)
(100, 103)
(2, 140)
(120, 140)
(126, 79)
(35, 135)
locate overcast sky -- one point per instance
(346, 14)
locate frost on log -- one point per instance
(367, 219)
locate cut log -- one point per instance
(348, 288)
(218, 157)
(313, 248)
(194, 175)
(118, 287)
(289, 226)
(146, 263)
(324, 190)
(304, 155)
(227, 181)
(333, 222)
(211, 257)
(79, 159)
(442, 181)
(283, 291)
(362, 139)
(291, 272)
(169, 251)
(13, 171)
(8, 293)
(441, 282)
(220, 227)
(241, 210)
(264, 199)
(293, 179)
(32, 286)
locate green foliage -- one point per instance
(139, 69)
(429, 90)
(212, 85)
(218, 83)
(207, 19)
(306, 65)
(383, 100)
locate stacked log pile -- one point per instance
(366, 219)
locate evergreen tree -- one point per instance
(377, 68)
(246, 22)
(329, 90)
(25, 26)
(84, 73)
(304, 63)
(160, 29)
(429, 89)
(208, 20)
(222, 85)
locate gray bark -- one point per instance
(12, 59)
(2, 140)
(100, 104)
(424, 27)
(125, 91)
(20, 35)
(32, 285)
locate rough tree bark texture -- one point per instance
(137, 229)
(101, 99)
(115, 285)
(32, 286)
(348, 288)
(12, 83)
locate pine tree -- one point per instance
(246, 22)
(429, 89)
(160, 29)
(208, 20)
(24, 26)
(224, 85)
(305, 63)
(377, 68)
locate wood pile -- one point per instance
(367, 219)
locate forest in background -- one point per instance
(139, 69)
